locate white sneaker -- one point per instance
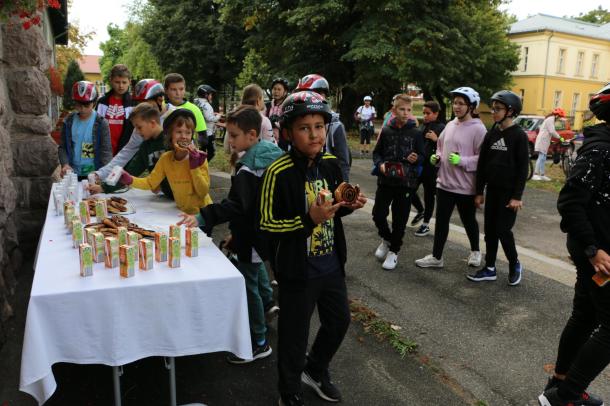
(536, 177)
(382, 251)
(390, 261)
(545, 178)
(429, 261)
(474, 259)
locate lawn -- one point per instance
(555, 173)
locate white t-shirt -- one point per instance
(366, 113)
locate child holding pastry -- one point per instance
(185, 167)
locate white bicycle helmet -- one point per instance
(469, 93)
(368, 98)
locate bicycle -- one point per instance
(567, 152)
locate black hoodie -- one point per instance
(584, 201)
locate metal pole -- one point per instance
(170, 364)
(116, 380)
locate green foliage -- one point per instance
(73, 74)
(127, 46)
(255, 70)
(598, 16)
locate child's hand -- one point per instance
(126, 178)
(455, 158)
(431, 135)
(322, 213)
(434, 158)
(382, 169)
(95, 189)
(601, 262)
(412, 158)
(358, 204)
(196, 158)
(515, 205)
(188, 220)
(65, 169)
(479, 200)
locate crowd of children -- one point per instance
(277, 212)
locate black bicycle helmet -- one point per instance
(301, 103)
(178, 113)
(204, 90)
(281, 81)
(600, 103)
(509, 99)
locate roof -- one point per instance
(542, 22)
(90, 64)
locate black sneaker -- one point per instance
(550, 397)
(554, 383)
(322, 385)
(291, 399)
(418, 217)
(422, 231)
(260, 352)
(514, 274)
(483, 274)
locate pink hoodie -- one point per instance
(464, 138)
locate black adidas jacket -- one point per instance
(503, 161)
(284, 217)
(584, 201)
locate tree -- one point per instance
(598, 16)
(127, 46)
(73, 74)
(77, 42)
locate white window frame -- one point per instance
(594, 65)
(525, 58)
(561, 60)
(575, 103)
(580, 59)
(557, 98)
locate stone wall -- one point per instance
(28, 155)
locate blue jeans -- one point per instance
(260, 295)
(539, 169)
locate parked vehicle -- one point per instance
(531, 124)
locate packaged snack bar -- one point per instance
(68, 212)
(122, 235)
(111, 253)
(601, 279)
(114, 176)
(160, 247)
(174, 252)
(127, 255)
(174, 231)
(100, 210)
(77, 233)
(86, 259)
(83, 210)
(132, 239)
(145, 254)
(192, 242)
(324, 196)
(97, 243)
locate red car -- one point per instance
(531, 125)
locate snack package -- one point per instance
(68, 212)
(601, 279)
(174, 231)
(83, 209)
(97, 243)
(324, 196)
(58, 198)
(86, 259)
(145, 255)
(84, 188)
(114, 176)
(192, 242)
(160, 247)
(77, 233)
(174, 252)
(101, 211)
(132, 239)
(122, 235)
(111, 252)
(127, 255)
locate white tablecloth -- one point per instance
(200, 307)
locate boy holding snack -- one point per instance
(239, 209)
(308, 248)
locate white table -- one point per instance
(198, 308)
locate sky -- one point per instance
(96, 15)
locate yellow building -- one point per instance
(563, 62)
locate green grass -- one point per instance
(382, 329)
(220, 162)
(555, 173)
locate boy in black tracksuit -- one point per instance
(308, 248)
(431, 130)
(502, 168)
(239, 209)
(397, 159)
(584, 206)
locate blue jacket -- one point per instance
(102, 148)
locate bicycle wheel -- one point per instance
(530, 171)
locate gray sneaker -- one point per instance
(429, 261)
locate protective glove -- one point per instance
(455, 158)
(126, 178)
(434, 158)
(196, 159)
(561, 139)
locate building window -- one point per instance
(579, 60)
(522, 94)
(594, 65)
(575, 103)
(526, 51)
(561, 60)
(557, 99)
